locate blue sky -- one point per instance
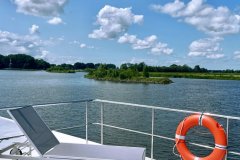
(156, 32)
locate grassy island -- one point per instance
(129, 75)
(59, 69)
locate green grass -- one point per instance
(61, 71)
(220, 76)
(153, 80)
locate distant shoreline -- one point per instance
(189, 75)
(19, 69)
(216, 76)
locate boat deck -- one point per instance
(10, 129)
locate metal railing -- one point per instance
(153, 110)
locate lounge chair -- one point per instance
(48, 147)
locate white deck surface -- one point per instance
(8, 129)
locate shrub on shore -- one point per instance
(128, 75)
(59, 69)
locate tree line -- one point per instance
(23, 61)
(174, 68)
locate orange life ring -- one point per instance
(214, 127)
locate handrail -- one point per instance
(164, 109)
(47, 104)
(120, 103)
(158, 136)
(153, 108)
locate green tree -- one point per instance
(22, 61)
(186, 68)
(67, 66)
(101, 72)
(79, 65)
(97, 65)
(2, 65)
(145, 72)
(41, 64)
(90, 65)
(128, 73)
(124, 66)
(173, 68)
(140, 66)
(197, 68)
(111, 66)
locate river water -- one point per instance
(215, 96)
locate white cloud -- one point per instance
(74, 42)
(147, 42)
(43, 55)
(151, 43)
(191, 8)
(170, 8)
(237, 55)
(213, 21)
(41, 8)
(215, 56)
(113, 21)
(30, 46)
(161, 48)
(55, 21)
(126, 38)
(61, 38)
(34, 29)
(208, 47)
(83, 45)
(11, 43)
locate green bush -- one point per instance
(123, 75)
(112, 73)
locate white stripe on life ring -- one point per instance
(218, 146)
(196, 158)
(200, 119)
(180, 137)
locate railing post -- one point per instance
(152, 134)
(102, 105)
(86, 122)
(227, 136)
(30, 150)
